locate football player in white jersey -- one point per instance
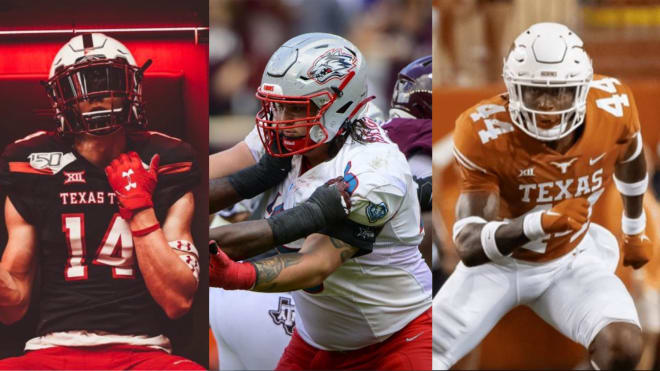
(347, 211)
(533, 163)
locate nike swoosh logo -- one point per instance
(593, 160)
(415, 337)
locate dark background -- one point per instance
(175, 94)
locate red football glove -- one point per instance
(228, 274)
(568, 215)
(637, 250)
(132, 183)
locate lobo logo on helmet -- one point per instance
(335, 63)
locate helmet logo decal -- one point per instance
(335, 63)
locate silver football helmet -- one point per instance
(321, 75)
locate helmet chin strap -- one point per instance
(295, 144)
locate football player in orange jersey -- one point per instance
(533, 162)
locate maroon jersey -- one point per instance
(90, 279)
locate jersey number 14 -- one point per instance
(116, 249)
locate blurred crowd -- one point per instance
(244, 34)
(621, 36)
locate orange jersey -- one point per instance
(495, 155)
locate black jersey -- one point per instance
(90, 277)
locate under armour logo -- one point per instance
(563, 166)
(127, 174)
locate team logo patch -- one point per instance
(42, 160)
(74, 177)
(54, 161)
(376, 212)
(563, 166)
(335, 63)
(285, 315)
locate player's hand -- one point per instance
(340, 186)
(568, 215)
(637, 250)
(333, 199)
(228, 274)
(132, 183)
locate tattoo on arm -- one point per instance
(347, 251)
(269, 269)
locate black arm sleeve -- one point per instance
(258, 178)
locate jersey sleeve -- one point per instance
(178, 174)
(22, 183)
(472, 159)
(376, 196)
(254, 144)
(631, 124)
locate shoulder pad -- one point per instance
(175, 155)
(40, 153)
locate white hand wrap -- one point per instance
(632, 189)
(488, 242)
(532, 227)
(191, 256)
(632, 226)
(461, 223)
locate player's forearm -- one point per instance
(221, 194)
(9, 293)
(230, 161)
(168, 279)
(288, 272)
(508, 237)
(243, 240)
(14, 300)
(631, 180)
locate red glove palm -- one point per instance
(228, 274)
(637, 250)
(132, 183)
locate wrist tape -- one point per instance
(632, 226)
(532, 227)
(632, 189)
(488, 242)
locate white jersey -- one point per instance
(384, 287)
(270, 315)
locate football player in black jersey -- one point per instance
(102, 209)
